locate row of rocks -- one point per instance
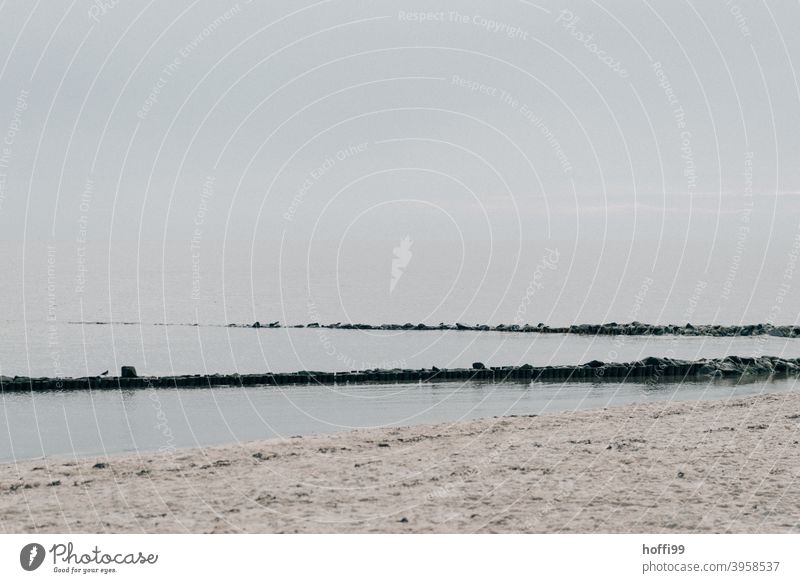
(650, 369)
(610, 329)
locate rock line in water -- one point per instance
(610, 329)
(651, 370)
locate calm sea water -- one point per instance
(93, 423)
(166, 350)
(46, 288)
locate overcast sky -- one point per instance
(507, 119)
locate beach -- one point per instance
(679, 467)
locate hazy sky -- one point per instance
(340, 119)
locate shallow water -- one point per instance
(89, 423)
(155, 284)
(160, 350)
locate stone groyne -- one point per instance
(609, 329)
(650, 369)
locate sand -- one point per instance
(715, 466)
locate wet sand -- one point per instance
(716, 466)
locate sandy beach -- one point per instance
(716, 466)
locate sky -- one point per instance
(506, 120)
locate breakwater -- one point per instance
(609, 329)
(650, 369)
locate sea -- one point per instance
(74, 309)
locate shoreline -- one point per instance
(698, 466)
(650, 369)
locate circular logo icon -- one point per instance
(31, 556)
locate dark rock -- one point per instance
(653, 361)
(649, 368)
